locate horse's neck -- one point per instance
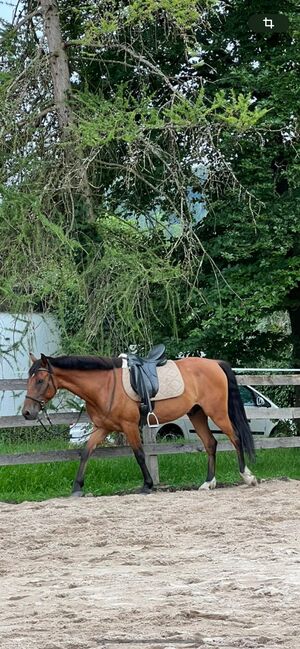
(83, 384)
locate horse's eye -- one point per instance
(40, 380)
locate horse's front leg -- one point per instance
(134, 438)
(97, 437)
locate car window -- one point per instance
(247, 396)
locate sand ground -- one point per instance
(166, 571)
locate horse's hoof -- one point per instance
(249, 478)
(206, 486)
(77, 494)
(146, 490)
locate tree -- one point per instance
(79, 176)
(253, 238)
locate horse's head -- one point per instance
(40, 387)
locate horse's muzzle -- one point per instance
(30, 415)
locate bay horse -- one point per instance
(210, 390)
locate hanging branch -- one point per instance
(27, 18)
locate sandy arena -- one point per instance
(166, 571)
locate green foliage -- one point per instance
(252, 235)
(36, 255)
(110, 282)
(184, 14)
(143, 112)
(101, 121)
(127, 278)
(130, 121)
(236, 111)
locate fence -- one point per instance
(152, 450)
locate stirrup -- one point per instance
(152, 414)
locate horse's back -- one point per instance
(203, 368)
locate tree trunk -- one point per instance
(59, 64)
(60, 73)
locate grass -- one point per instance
(104, 477)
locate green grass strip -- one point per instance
(104, 477)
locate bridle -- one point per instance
(41, 402)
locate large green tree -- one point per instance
(252, 236)
(104, 120)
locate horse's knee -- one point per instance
(96, 438)
(84, 454)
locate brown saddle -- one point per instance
(144, 378)
(170, 383)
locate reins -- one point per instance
(60, 432)
(42, 404)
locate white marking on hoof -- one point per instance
(209, 485)
(77, 494)
(249, 478)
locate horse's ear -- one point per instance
(44, 360)
(32, 357)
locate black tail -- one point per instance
(237, 413)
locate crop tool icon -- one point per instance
(268, 22)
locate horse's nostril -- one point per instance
(26, 414)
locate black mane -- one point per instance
(79, 363)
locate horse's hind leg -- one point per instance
(225, 425)
(199, 421)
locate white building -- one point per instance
(19, 335)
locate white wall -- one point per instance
(20, 335)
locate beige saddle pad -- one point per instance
(170, 382)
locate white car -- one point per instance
(182, 427)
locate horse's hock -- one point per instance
(187, 569)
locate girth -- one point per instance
(144, 379)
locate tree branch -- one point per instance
(37, 120)
(20, 23)
(135, 55)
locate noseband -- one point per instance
(41, 402)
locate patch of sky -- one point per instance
(7, 10)
(75, 78)
(170, 224)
